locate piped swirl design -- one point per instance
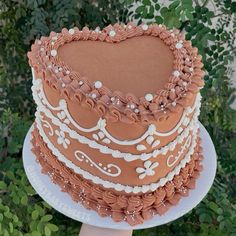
(132, 208)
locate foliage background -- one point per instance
(22, 211)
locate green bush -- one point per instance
(22, 211)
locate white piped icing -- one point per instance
(171, 160)
(71, 31)
(41, 101)
(145, 27)
(179, 45)
(151, 129)
(112, 33)
(107, 170)
(149, 97)
(176, 73)
(147, 170)
(117, 186)
(98, 84)
(53, 52)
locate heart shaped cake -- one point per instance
(117, 117)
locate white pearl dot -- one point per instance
(191, 69)
(176, 73)
(145, 27)
(112, 33)
(173, 104)
(81, 83)
(54, 38)
(98, 84)
(56, 70)
(129, 26)
(132, 106)
(93, 95)
(97, 29)
(41, 49)
(113, 99)
(39, 42)
(136, 110)
(149, 97)
(67, 72)
(71, 31)
(100, 164)
(63, 85)
(172, 90)
(53, 52)
(179, 45)
(184, 83)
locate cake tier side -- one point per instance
(120, 206)
(109, 163)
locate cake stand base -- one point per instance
(62, 202)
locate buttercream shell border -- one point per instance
(184, 82)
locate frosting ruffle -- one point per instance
(178, 92)
(120, 206)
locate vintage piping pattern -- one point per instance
(117, 186)
(115, 153)
(101, 124)
(106, 150)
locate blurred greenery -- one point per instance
(22, 211)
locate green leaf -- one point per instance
(35, 233)
(46, 218)
(47, 231)
(233, 7)
(205, 218)
(159, 19)
(146, 2)
(157, 7)
(5, 233)
(174, 4)
(213, 206)
(24, 200)
(3, 185)
(140, 9)
(35, 214)
(52, 227)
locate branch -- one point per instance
(220, 14)
(196, 2)
(205, 3)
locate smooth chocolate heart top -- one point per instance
(138, 65)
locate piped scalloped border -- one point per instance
(185, 81)
(117, 186)
(119, 206)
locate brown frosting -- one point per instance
(73, 77)
(132, 208)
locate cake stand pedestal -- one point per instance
(61, 201)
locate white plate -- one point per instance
(62, 202)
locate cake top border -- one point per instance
(185, 81)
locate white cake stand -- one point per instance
(62, 202)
